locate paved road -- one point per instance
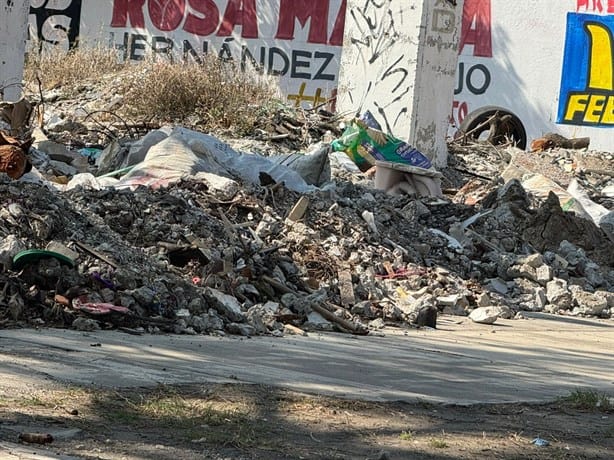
(536, 359)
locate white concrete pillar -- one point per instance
(13, 35)
(399, 61)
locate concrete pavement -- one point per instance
(536, 359)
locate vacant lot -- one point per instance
(257, 422)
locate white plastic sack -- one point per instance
(245, 166)
(167, 162)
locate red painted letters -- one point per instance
(206, 22)
(241, 12)
(166, 15)
(128, 11)
(336, 38)
(477, 29)
(202, 18)
(303, 10)
(595, 5)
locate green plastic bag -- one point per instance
(365, 146)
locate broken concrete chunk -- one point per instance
(558, 294)
(483, 300)
(608, 295)
(544, 274)
(262, 318)
(85, 324)
(454, 304)
(588, 303)
(299, 209)
(485, 315)
(224, 188)
(377, 323)
(498, 285)
(9, 248)
(318, 322)
(540, 298)
(246, 330)
(534, 260)
(225, 304)
(522, 271)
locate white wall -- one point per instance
(524, 66)
(13, 27)
(399, 61)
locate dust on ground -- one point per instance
(257, 422)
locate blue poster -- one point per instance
(587, 83)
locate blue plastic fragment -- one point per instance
(539, 442)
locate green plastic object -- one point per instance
(34, 255)
(365, 146)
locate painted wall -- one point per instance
(399, 56)
(297, 40)
(13, 15)
(548, 62)
(399, 61)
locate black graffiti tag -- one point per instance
(377, 36)
(50, 19)
(376, 24)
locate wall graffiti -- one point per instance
(55, 23)
(376, 35)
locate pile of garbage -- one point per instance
(177, 231)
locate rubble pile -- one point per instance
(265, 259)
(242, 252)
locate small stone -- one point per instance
(483, 300)
(508, 244)
(85, 324)
(485, 315)
(534, 260)
(540, 298)
(377, 324)
(423, 249)
(498, 285)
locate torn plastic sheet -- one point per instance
(183, 153)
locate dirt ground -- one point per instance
(256, 422)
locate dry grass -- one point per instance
(56, 68)
(210, 95)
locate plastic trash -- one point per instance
(368, 119)
(366, 145)
(539, 442)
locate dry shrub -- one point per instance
(209, 95)
(58, 68)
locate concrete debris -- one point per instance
(172, 230)
(485, 315)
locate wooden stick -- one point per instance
(325, 313)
